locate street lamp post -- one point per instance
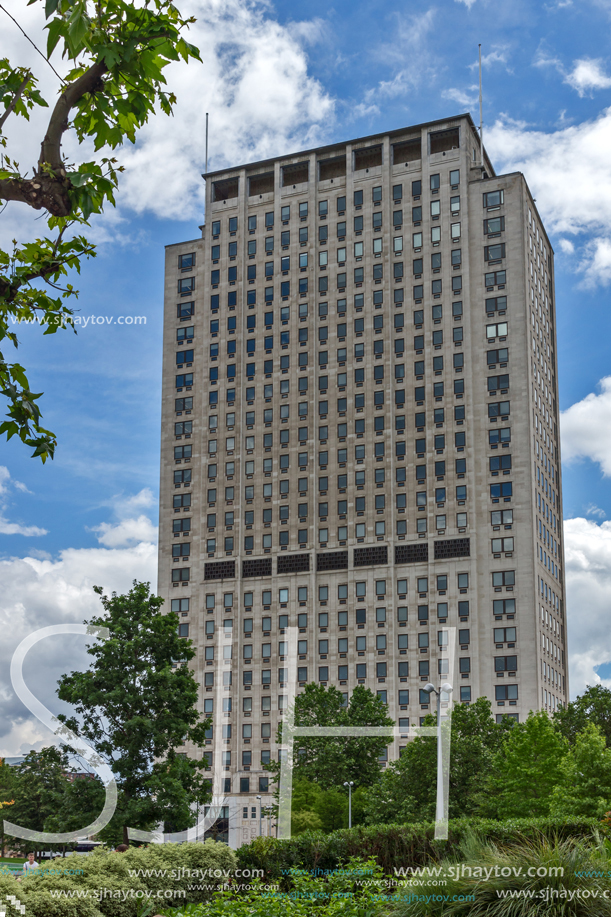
(446, 689)
(260, 816)
(349, 785)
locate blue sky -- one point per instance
(273, 82)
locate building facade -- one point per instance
(360, 439)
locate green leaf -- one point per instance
(56, 28)
(50, 7)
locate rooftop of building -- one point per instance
(336, 147)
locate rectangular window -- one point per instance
(493, 198)
(494, 252)
(494, 225)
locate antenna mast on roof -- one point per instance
(481, 116)
(206, 166)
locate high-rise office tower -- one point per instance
(360, 438)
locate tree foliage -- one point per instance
(593, 706)
(525, 770)
(117, 52)
(584, 777)
(407, 790)
(136, 704)
(47, 795)
(330, 762)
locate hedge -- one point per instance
(396, 845)
(100, 884)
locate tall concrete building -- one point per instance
(360, 438)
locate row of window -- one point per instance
(360, 618)
(323, 481)
(499, 579)
(188, 284)
(341, 231)
(186, 310)
(302, 461)
(186, 334)
(491, 227)
(185, 358)
(184, 477)
(340, 203)
(499, 606)
(360, 646)
(323, 336)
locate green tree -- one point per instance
(525, 770)
(332, 809)
(7, 792)
(584, 785)
(117, 52)
(136, 704)
(593, 706)
(305, 820)
(39, 785)
(80, 804)
(330, 762)
(407, 790)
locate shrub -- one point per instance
(574, 884)
(108, 883)
(336, 895)
(395, 845)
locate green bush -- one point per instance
(575, 882)
(106, 887)
(395, 845)
(336, 895)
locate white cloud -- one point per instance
(498, 55)
(587, 546)
(408, 53)
(468, 3)
(253, 81)
(39, 590)
(129, 531)
(575, 158)
(262, 101)
(593, 510)
(467, 99)
(588, 74)
(586, 428)
(36, 592)
(13, 528)
(595, 262)
(125, 506)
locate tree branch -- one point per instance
(15, 98)
(50, 149)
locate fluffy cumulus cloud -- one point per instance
(576, 159)
(39, 590)
(587, 547)
(253, 81)
(36, 592)
(586, 428)
(587, 75)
